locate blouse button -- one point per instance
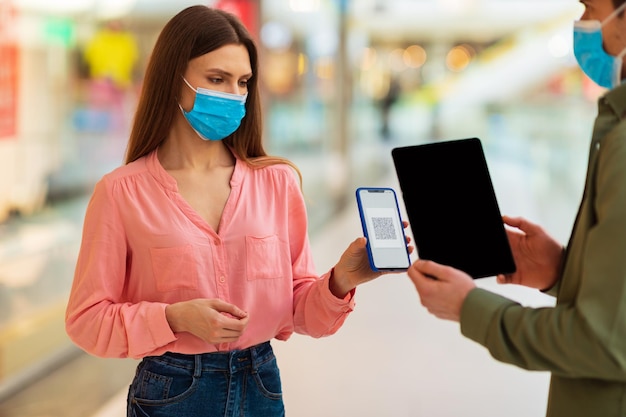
(222, 278)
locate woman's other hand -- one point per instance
(214, 321)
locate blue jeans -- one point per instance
(240, 383)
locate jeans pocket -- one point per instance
(158, 383)
(267, 378)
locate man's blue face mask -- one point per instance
(215, 115)
(603, 69)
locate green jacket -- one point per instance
(582, 340)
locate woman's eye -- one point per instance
(215, 80)
(243, 83)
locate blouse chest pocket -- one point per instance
(174, 268)
(266, 258)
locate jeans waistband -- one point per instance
(231, 361)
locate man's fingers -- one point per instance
(430, 269)
(504, 279)
(529, 228)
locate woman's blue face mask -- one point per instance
(602, 68)
(215, 115)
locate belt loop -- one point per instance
(231, 361)
(254, 358)
(197, 371)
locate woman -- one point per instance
(195, 253)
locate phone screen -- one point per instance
(382, 226)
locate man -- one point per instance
(582, 340)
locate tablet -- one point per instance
(452, 207)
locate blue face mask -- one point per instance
(603, 69)
(215, 115)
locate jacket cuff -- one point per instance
(478, 311)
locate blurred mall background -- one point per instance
(344, 81)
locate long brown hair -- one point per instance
(193, 32)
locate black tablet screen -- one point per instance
(452, 207)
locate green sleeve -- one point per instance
(584, 335)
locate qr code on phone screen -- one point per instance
(384, 228)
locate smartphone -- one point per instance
(382, 226)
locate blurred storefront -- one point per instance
(69, 75)
(337, 96)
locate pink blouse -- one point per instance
(144, 247)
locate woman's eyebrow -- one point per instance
(225, 73)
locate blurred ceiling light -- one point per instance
(414, 56)
(560, 45)
(458, 58)
(275, 35)
(57, 6)
(304, 6)
(458, 6)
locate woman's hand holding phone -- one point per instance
(354, 267)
